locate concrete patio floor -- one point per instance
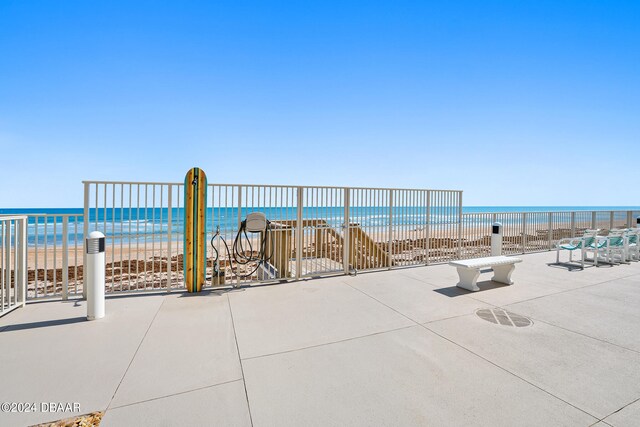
(401, 347)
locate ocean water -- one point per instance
(138, 224)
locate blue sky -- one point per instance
(514, 102)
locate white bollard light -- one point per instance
(496, 239)
(638, 222)
(94, 275)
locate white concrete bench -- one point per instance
(469, 270)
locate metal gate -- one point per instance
(13, 262)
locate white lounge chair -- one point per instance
(631, 240)
(614, 246)
(583, 244)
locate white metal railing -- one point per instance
(13, 258)
(54, 255)
(315, 231)
(525, 232)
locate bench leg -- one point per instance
(468, 278)
(502, 273)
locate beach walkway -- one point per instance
(402, 347)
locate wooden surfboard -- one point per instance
(195, 239)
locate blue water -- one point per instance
(138, 224)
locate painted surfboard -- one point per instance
(195, 240)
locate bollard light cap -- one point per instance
(95, 235)
(95, 243)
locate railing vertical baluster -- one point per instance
(121, 233)
(239, 219)
(459, 206)
(129, 239)
(46, 255)
(153, 235)
(23, 261)
(550, 233)
(85, 233)
(36, 221)
(346, 232)
(55, 257)
(299, 233)
(239, 206)
(65, 257)
(524, 232)
(169, 235)
(3, 288)
(610, 220)
(389, 244)
(7, 260)
(75, 255)
(113, 234)
(428, 234)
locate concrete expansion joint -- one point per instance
(175, 394)
(136, 352)
(584, 335)
(618, 410)
(508, 371)
(235, 338)
(331, 342)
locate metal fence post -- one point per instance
(3, 288)
(550, 231)
(593, 220)
(428, 242)
(239, 206)
(573, 224)
(524, 232)
(85, 233)
(65, 257)
(22, 264)
(389, 243)
(611, 220)
(347, 232)
(239, 218)
(299, 233)
(460, 225)
(7, 259)
(169, 235)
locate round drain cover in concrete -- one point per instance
(503, 317)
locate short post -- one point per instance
(496, 239)
(94, 278)
(638, 222)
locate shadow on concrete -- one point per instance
(136, 294)
(43, 324)
(567, 266)
(208, 292)
(577, 267)
(487, 285)
(454, 291)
